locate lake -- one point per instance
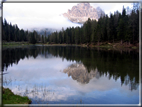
(72, 74)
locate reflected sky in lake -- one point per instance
(44, 80)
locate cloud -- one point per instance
(47, 15)
(42, 15)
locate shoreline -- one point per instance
(106, 45)
(102, 45)
(8, 97)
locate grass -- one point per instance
(5, 44)
(8, 97)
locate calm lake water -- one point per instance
(72, 75)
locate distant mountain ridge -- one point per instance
(42, 31)
(83, 11)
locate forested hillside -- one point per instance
(118, 27)
(13, 33)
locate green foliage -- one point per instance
(88, 31)
(33, 37)
(9, 98)
(13, 33)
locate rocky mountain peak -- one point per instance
(83, 5)
(83, 11)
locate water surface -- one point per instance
(72, 75)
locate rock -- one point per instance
(83, 11)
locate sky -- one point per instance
(48, 15)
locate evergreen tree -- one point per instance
(88, 31)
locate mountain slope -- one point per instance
(42, 31)
(83, 11)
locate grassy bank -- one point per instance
(8, 44)
(8, 97)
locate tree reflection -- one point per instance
(113, 64)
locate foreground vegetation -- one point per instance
(8, 97)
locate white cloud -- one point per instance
(47, 15)
(30, 15)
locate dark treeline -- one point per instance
(115, 64)
(118, 27)
(13, 33)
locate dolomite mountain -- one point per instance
(83, 11)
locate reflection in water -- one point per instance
(80, 73)
(71, 75)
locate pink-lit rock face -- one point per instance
(83, 11)
(80, 73)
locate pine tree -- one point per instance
(88, 31)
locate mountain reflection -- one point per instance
(79, 72)
(113, 64)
